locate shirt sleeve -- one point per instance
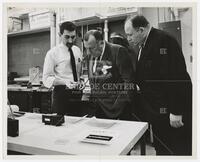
(81, 55)
(48, 70)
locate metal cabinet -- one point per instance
(23, 99)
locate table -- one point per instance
(39, 139)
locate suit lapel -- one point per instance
(147, 46)
(106, 56)
(107, 52)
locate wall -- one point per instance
(186, 30)
(151, 14)
(27, 51)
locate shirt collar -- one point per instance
(62, 44)
(104, 45)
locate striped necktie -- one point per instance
(140, 51)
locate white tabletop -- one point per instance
(37, 138)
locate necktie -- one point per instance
(96, 60)
(73, 64)
(140, 51)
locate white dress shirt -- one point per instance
(57, 64)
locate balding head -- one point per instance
(93, 42)
(138, 21)
(97, 34)
(136, 29)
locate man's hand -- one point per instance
(73, 85)
(77, 85)
(81, 85)
(176, 120)
(58, 81)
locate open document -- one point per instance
(100, 123)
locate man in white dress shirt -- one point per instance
(62, 67)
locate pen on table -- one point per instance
(83, 117)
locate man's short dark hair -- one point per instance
(96, 33)
(138, 21)
(67, 26)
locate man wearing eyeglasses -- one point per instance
(111, 74)
(62, 68)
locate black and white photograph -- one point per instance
(99, 80)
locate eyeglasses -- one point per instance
(68, 36)
(135, 32)
(92, 48)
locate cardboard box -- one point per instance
(15, 24)
(39, 19)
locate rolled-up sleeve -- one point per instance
(48, 70)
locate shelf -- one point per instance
(27, 32)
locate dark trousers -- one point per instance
(66, 101)
(172, 141)
(167, 140)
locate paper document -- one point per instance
(100, 124)
(61, 142)
(76, 120)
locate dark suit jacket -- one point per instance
(162, 77)
(111, 101)
(133, 57)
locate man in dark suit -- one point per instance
(111, 77)
(165, 87)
